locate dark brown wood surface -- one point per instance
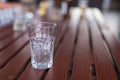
(6, 27)
(82, 54)
(62, 58)
(8, 40)
(103, 64)
(84, 50)
(111, 41)
(12, 50)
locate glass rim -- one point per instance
(34, 23)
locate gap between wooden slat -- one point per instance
(13, 55)
(6, 45)
(100, 76)
(5, 34)
(101, 27)
(6, 27)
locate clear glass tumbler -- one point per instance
(42, 37)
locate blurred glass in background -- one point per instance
(58, 10)
(21, 18)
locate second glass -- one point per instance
(42, 37)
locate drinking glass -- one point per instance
(42, 37)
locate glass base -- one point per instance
(42, 66)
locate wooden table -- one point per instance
(85, 49)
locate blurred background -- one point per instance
(23, 10)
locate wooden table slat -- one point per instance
(31, 74)
(103, 64)
(5, 42)
(82, 63)
(5, 34)
(11, 50)
(15, 65)
(114, 47)
(6, 27)
(61, 28)
(62, 59)
(112, 42)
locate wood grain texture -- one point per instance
(61, 28)
(10, 39)
(110, 39)
(12, 50)
(59, 71)
(82, 63)
(103, 64)
(5, 34)
(15, 65)
(6, 27)
(31, 74)
(114, 47)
